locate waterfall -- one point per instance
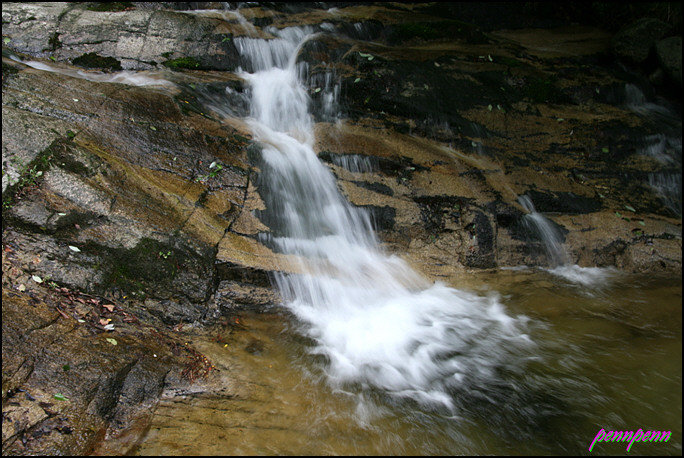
(376, 322)
(665, 147)
(545, 231)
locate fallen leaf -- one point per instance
(109, 327)
(109, 307)
(74, 249)
(22, 287)
(37, 279)
(112, 341)
(60, 397)
(105, 321)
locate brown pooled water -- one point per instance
(605, 357)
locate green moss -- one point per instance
(54, 42)
(111, 6)
(30, 174)
(427, 31)
(182, 63)
(150, 264)
(542, 90)
(7, 70)
(93, 60)
(510, 62)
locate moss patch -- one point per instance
(7, 70)
(32, 173)
(111, 6)
(149, 265)
(182, 63)
(93, 60)
(541, 90)
(435, 31)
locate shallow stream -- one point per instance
(607, 355)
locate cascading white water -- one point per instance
(558, 258)
(546, 231)
(376, 321)
(665, 147)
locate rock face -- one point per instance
(131, 199)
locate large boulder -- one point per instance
(669, 53)
(635, 41)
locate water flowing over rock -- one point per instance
(166, 167)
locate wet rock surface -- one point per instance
(131, 201)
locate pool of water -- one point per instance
(606, 354)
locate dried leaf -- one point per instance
(109, 307)
(74, 249)
(37, 279)
(112, 341)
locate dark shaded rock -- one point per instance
(236, 295)
(232, 272)
(436, 211)
(438, 30)
(483, 256)
(93, 60)
(496, 15)
(382, 218)
(636, 40)
(375, 187)
(563, 202)
(669, 52)
(418, 91)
